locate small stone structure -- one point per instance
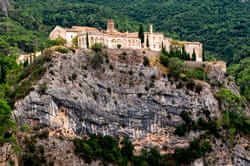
(29, 58)
(112, 38)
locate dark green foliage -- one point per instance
(194, 56)
(97, 47)
(141, 33)
(196, 150)
(176, 52)
(62, 50)
(210, 126)
(32, 155)
(147, 44)
(44, 134)
(176, 66)
(230, 101)
(146, 61)
(7, 127)
(237, 121)
(164, 60)
(181, 130)
(107, 149)
(97, 147)
(241, 74)
(97, 60)
(196, 73)
(6, 64)
(43, 88)
(74, 76)
(28, 77)
(87, 40)
(119, 46)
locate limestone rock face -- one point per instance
(120, 97)
(4, 6)
(129, 100)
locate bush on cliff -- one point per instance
(230, 101)
(8, 126)
(27, 78)
(62, 50)
(176, 66)
(108, 150)
(97, 47)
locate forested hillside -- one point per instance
(223, 26)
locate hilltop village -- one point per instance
(112, 38)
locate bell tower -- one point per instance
(110, 26)
(151, 28)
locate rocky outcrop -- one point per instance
(125, 99)
(4, 6)
(120, 97)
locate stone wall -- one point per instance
(109, 41)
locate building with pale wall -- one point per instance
(112, 38)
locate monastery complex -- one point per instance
(112, 38)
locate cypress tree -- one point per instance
(141, 33)
(183, 53)
(147, 42)
(163, 50)
(87, 40)
(194, 56)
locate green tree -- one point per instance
(176, 66)
(141, 33)
(194, 56)
(87, 40)
(7, 63)
(8, 126)
(75, 42)
(148, 42)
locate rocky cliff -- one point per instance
(4, 6)
(117, 95)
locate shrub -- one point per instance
(176, 66)
(119, 46)
(229, 100)
(196, 73)
(146, 61)
(74, 76)
(124, 53)
(181, 130)
(57, 42)
(62, 50)
(97, 47)
(198, 88)
(111, 67)
(196, 150)
(234, 120)
(44, 134)
(42, 88)
(97, 60)
(75, 42)
(60, 41)
(164, 60)
(191, 85)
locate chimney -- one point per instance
(151, 28)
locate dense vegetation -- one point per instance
(241, 74)
(110, 150)
(233, 120)
(222, 26)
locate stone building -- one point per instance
(112, 38)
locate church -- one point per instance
(112, 38)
